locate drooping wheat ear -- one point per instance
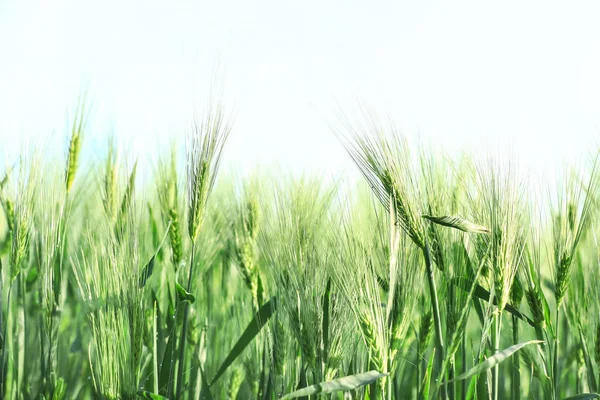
(204, 151)
(368, 333)
(74, 147)
(383, 157)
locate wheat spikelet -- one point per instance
(368, 332)
(279, 348)
(175, 238)
(425, 330)
(126, 202)
(20, 243)
(534, 300)
(73, 153)
(110, 184)
(204, 152)
(235, 382)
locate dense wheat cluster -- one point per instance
(432, 278)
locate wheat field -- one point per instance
(430, 278)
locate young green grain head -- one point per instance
(499, 205)
(167, 186)
(570, 224)
(74, 147)
(205, 147)
(383, 156)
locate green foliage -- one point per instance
(103, 295)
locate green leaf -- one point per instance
(494, 360)
(458, 223)
(341, 384)
(260, 319)
(149, 268)
(184, 295)
(31, 279)
(144, 394)
(205, 392)
(484, 294)
(60, 390)
(584, 396)
(588, 361)
(147, 272)
(427, 378)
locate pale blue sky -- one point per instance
(472, 75)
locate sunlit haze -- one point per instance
(460, 75)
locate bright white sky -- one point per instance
(462, 75)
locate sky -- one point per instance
(474, 76)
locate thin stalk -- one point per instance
(55, 315)
(3, 373)
(452, 374)
(463, 370)
(439, 342)
(452, 371)
(516, 373)
(42, 351)
(496, 370)
(155, 349)
(555, 360)
(20, 327)
(184, 330)
(419, 364)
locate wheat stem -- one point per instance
(437, 321)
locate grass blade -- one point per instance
(147, 272)
(588, 361)
(457, 223)
(184, 295)
(205, 392)
(427, 378)
(341, 384)
(584, 396)
(484, 294)
(495, 360)
(144, 394)
(259, 320)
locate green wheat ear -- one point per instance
(203, 158)
(74, 147)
